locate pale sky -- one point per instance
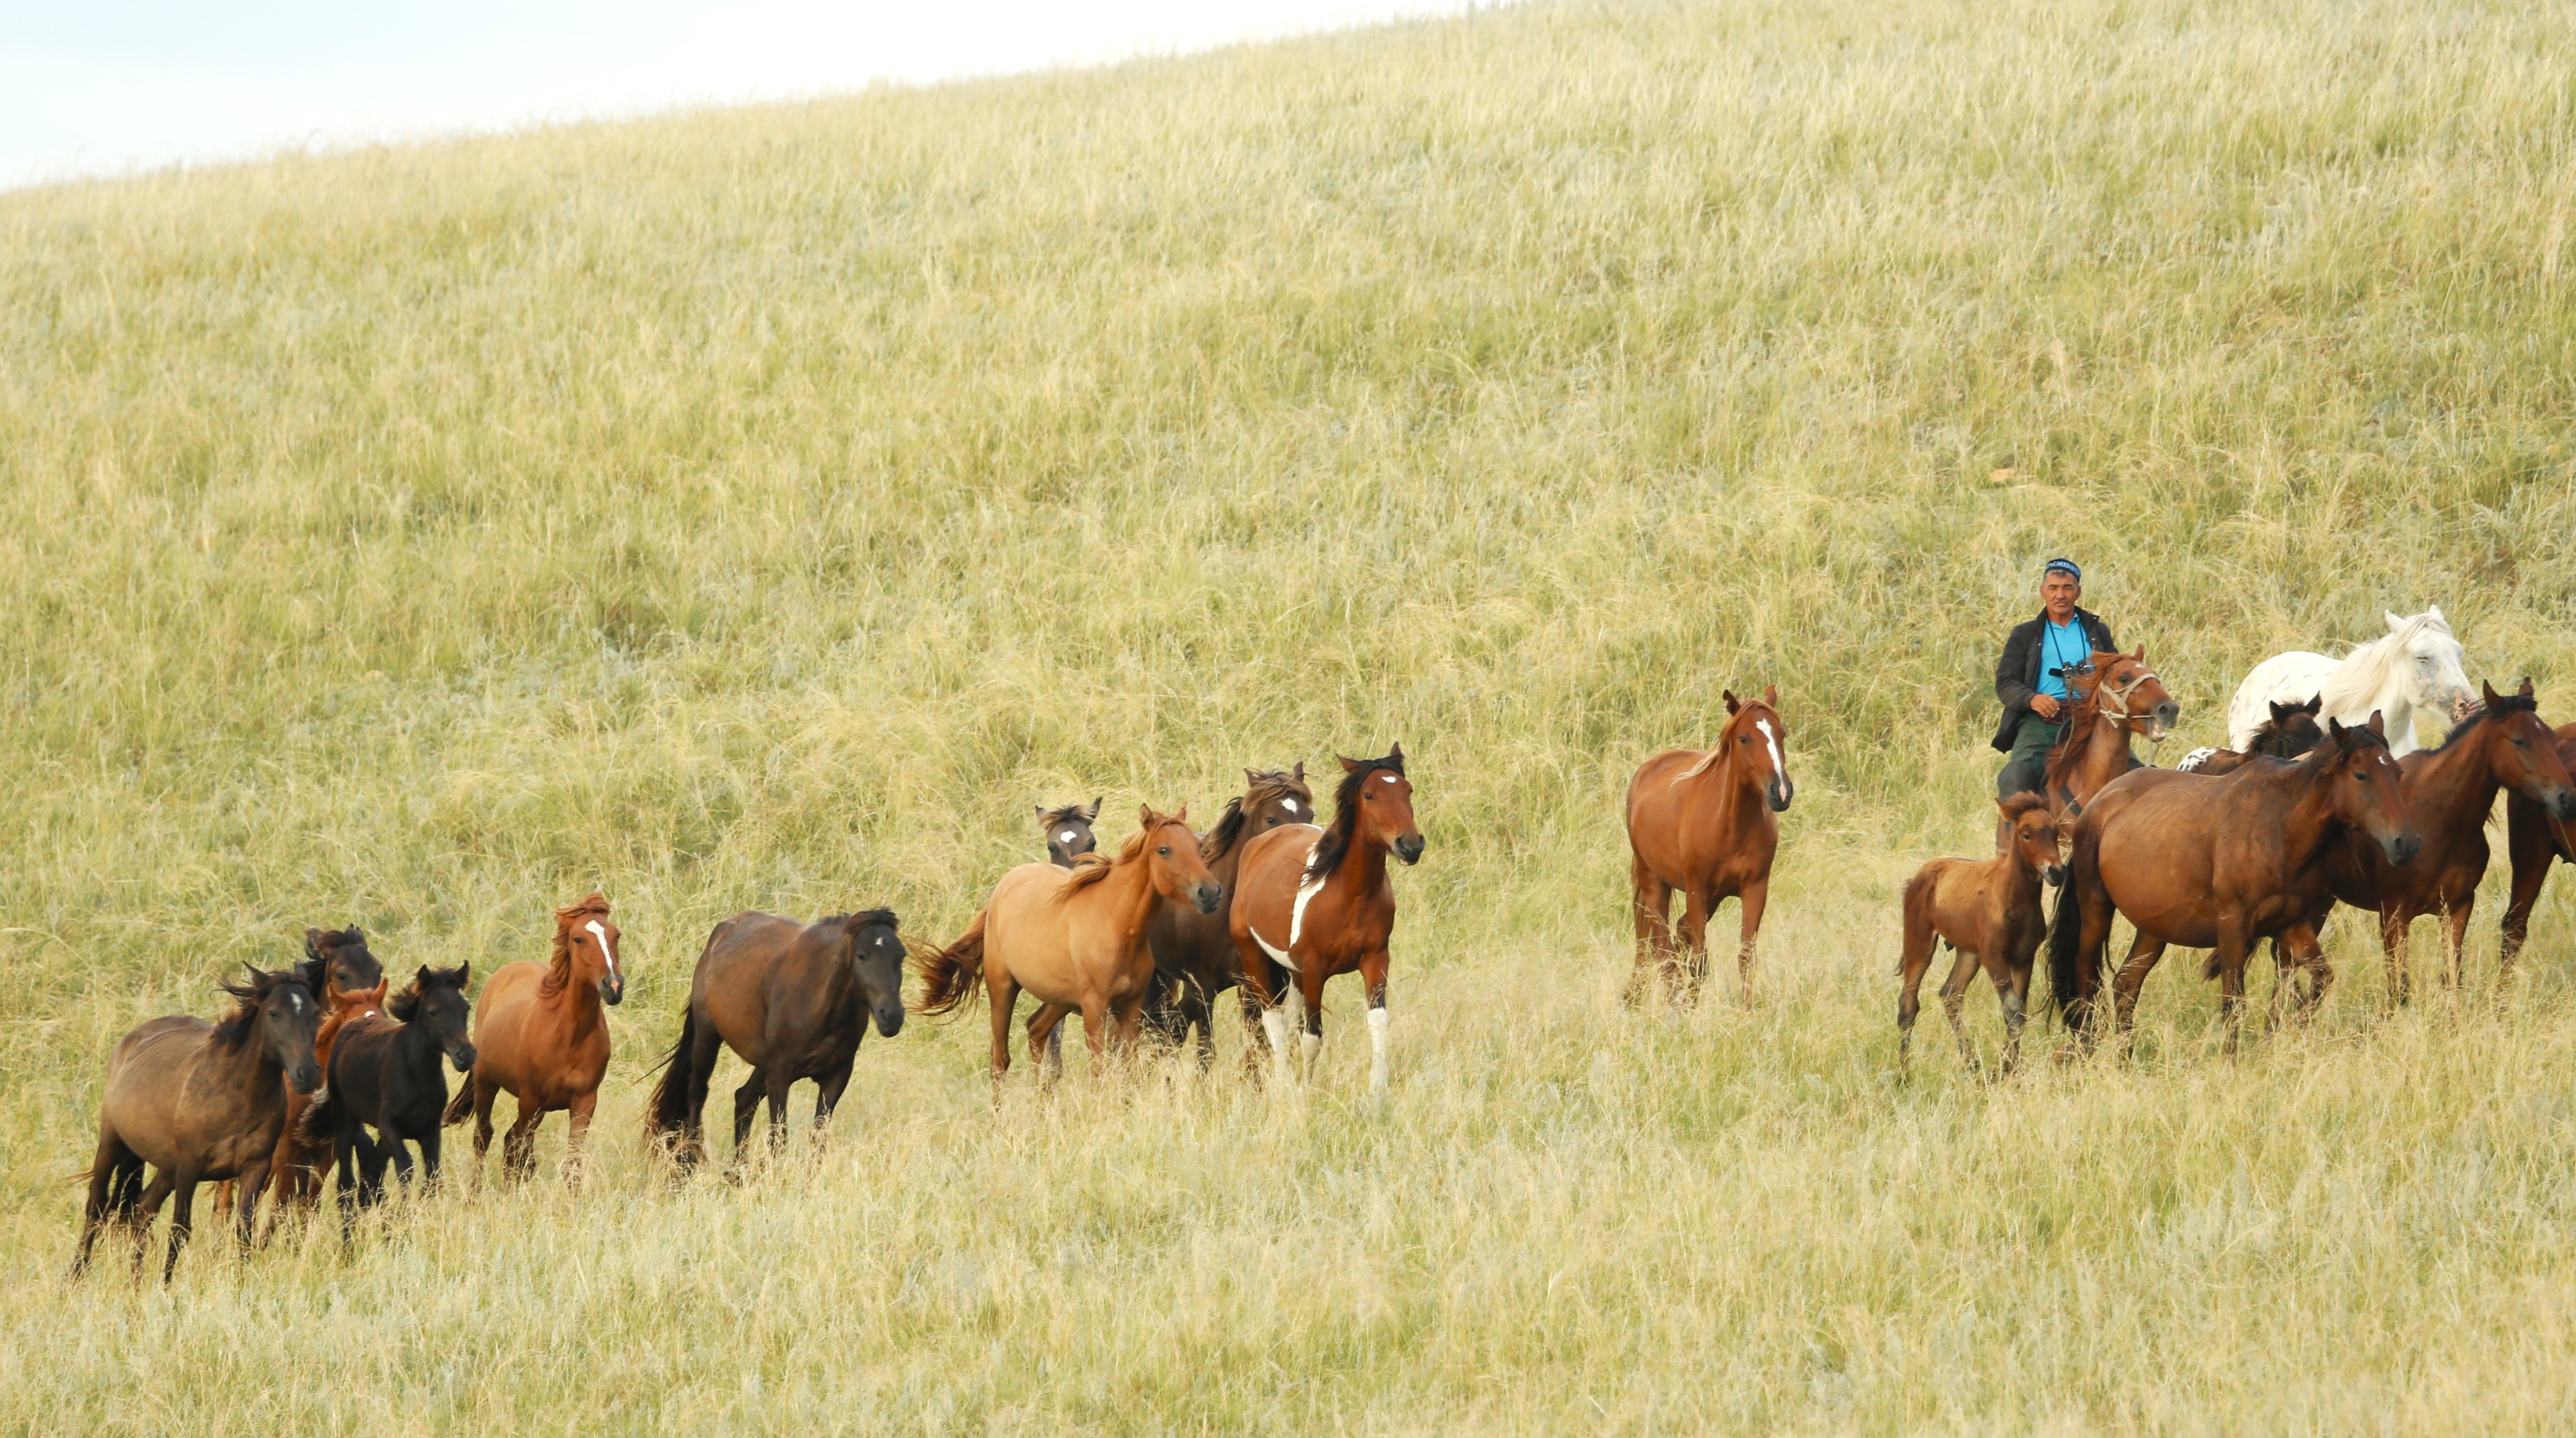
(103, 87)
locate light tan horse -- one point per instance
(1074, 938)
(1988, 911)
(1315, 902)
(541, 1034)
(1706, 823)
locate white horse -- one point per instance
(2415, 666)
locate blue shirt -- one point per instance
(2062, 646)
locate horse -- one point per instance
(1989, 912)
(792, 1000)
(384, 1075)
(542, 1035)
(1068, 831)
(2533, 839)
(198, 1101)
(2416, 665)
(1706, 824)
(1074, 938)
(2452, 790)
(1195, 953)
(2217, 864)
(2112, 698)
(2291, 732)
(336, 963)
(295, 1174)
(1324, 893)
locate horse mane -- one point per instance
(2022, 803)
(2075, 735)
(1716, 751)
(559, 969)
(1048, 819)
(2504, 704)
(1267, 786)
(1090, 869)
(247, 996)
(1346, 813)
(2363, 673)
(2355, 736)
(313, 968)
(861, 919)
(402, 1006)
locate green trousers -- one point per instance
(2027, 764)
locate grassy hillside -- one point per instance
(764, 508)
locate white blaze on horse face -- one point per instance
(1779, 761)
(1288, 804)
(1065, 838)
(1386, 778)
(605, 950)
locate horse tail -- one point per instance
(2066, 928)
(320, 1121)
(1918, 900)
(668, 1110)
(948, 977)
(459, 1106)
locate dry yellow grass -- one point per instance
(763, 508)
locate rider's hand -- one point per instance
(2044, 705)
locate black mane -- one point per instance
(1266, 785)
(248, 995)
(866, 917)
(1346, 814)
(403, 1006)
(2504, 704)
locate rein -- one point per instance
(2108, 694)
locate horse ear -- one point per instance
(2394, 623)
(1182, 814)
(2335, 730)
(2487, 692)
(1041, 808)
(2139, 654)
(1093, 812)
(1771, 695)
(1732, 703)
(1145, 816)
(2525, 691)
(1251, 778)
(2378, 724)
(464, 971)
(423, 976)
(2316, 705)
(312, 943)
(2281, 712)
(1397, 753)
(1349, 766)
(1299, 773)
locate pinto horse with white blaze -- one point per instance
(1707, 824)
(2415, 665)
(1311, 903)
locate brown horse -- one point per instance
(2289, 734)
(1316, 902)
(2217, 864)
(1074, 939)
(1195, 953)
(2115, 698)
(2451, 791)
(541, 1034)
(1068, 831)
(198, 1102)
(2534, 839)
(336, 962)
(792, 1000)
(1706, 824)
(296, 1172)
(1989, 912)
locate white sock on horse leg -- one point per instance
(1377, 1049)
(1274, 1027)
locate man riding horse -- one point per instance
(2029, 678)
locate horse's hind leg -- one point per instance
(746, 1103)
(2144, 951)
(1697, 908)
(111, 1192)
(1651, 904)
(1954, 999)
(2395, 925)
(1046, 1042)
(484, 1091)
(2455, 933)
(1920, 945)
(1005, 996)
(519, 1145)
(182, 1215)
(146, 1209)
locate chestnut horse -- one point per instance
(1074, 938)
(1989, 912)
(1706, 824)
(2217, 864)
(1316, 903)
(1068, 831)
(2290, 733)
(198, 1102)
(541, 1034)
(2117, 696)
(2451, 791)
(793, 1000)
(2534, 839)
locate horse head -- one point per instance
(2035, 835)
(1172, 860)
(2124, 688)
(2291, 731)
(1068, 831)
(435, 1001)
(286, 1016)
(1383, 797)
(1755, 737)
(1272, 797)
(2428, 664)
(586, 949)
(2522, 751)
(338, 959)
(876, 961)
(2369, 790)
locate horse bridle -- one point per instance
(2105, 695)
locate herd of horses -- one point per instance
(320, 1073)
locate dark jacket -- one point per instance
(2017, 673)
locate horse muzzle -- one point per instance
(2401, 846)
(304, 1077)
(461, 1055)
(2562, 805)
(1778, 796)
(890, 1020)
(2055, 874)
(2161, 721)
(1409, 849)
(1207, 896)
(612, 990)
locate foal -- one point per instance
(384, 1075)
(1068, 831)
(1989, 912)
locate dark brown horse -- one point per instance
(198, 1102)
(385, 1076)
(2114, 699)
(2451, 791)
(336, 964)
(1195, 953)
(541, 1035)
(303, 1156)
(2534, 839)
(2289, 734)
(1706, 824)
(1068, 831)
(792, 1000)
(1315, 902)
(1989, 912)
(2217, 864)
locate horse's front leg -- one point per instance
(1683, 982)
(577, 1115)
(2234, 944)
(249, 1185)
(2455, 933)
(2395, 920)
(1373, 976)
(780, 1081)
(827, 1089)
(1749, 902)
(181, 1214)
(428, 1142)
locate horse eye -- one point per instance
(1165, 851)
